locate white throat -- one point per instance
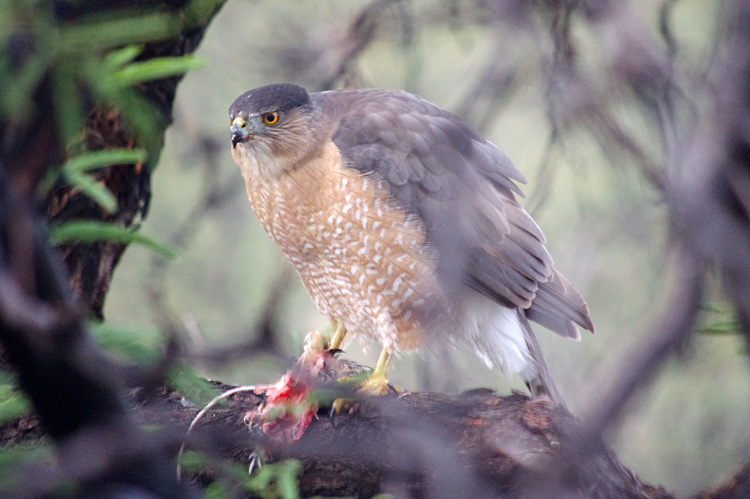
(257, 162)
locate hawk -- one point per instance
(403, 225)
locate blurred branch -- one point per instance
(101, 451)
(475, 444)
(267, 337)
(703, 194)
(262, 337)
(359, 35)
(712, 204)
(72, 386)
(735, 487)
(332, 63)
(492, 88)
(575, 98)
(634, 369)
(609, 392)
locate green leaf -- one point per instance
(192, 460)
(15, 99)
(287, 478)
(13, 457)
(731, 326)
(155, 69)
(718, 307)
(67, 101)
(24, 452)
(196, 389)
(141, 344)
(13, 403)
(98, 159)
(74, 169)
(93, 189)
(90, 231)
(216, 490)
(118, 32)
(283, 475)
(118, 58)
(719, 318)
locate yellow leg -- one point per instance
(384, 362)
(377, 382)
(338, 336)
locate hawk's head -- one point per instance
(272, 128)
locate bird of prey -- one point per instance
(403, 225)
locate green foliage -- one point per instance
(182, 377)
(97, 159)
(144, 345)
(90, 61)
(93, 189)
(13, 403)
(719, 319)
(80, 59)
(113, 80)
(89, 230)
(139, 27)
(75, 169)
(153, 69)
(13, 456)
(271, 481)
(138, 344)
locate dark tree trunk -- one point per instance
(74, 388)
(91, 265)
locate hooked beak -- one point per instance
(240, 132)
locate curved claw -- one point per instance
(375, 385)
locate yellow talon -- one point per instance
(376, 384)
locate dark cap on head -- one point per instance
(277, 97)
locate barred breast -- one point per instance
(362, 259)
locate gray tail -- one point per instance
(540, 382)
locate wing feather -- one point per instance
(463, 188)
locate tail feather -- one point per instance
(538, 378)
(559, 307)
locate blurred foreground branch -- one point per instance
(81, 95)
(73, 387)
(475, 444)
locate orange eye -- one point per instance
(270, 118)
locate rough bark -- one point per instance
(431, 445)
(91, 265)
(475, 444)
(73, 386)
